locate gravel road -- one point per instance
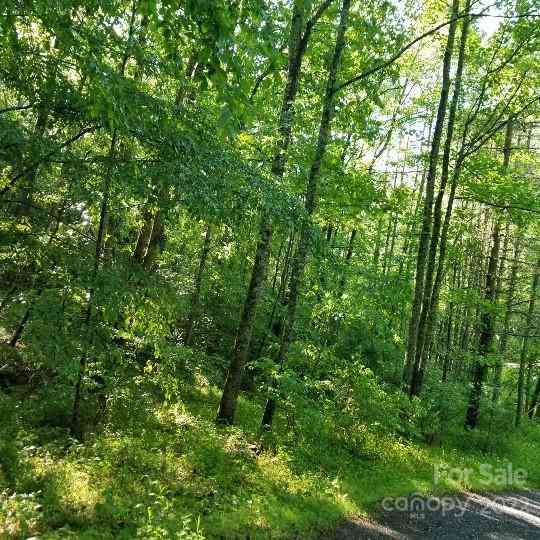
(501, 516)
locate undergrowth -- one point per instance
(158, 466)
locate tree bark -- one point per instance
(299, 262)
(534, 400)
(348, 257)
(18, 332)
(523, 368)
(298, 39)
(487, 319)
(425, 233)
(450, 316)
(280, 297)
(143, 240)
(195, 297)
(427, 316)
(486, 335)
(156, 245)
(377, 250)
(506, 324)
(76, 428)
(28, 186)
(22, 323)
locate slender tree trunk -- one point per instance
(17, 334)
(450, 315)
(348, 257)
(425, 233)
(426, 321)
(408, 244)
(523, 376)
(487, 319)
(195, 297)
(377, 250)
(310, 202)
(28, 186)
(323, 265)
(157, 242)
(391, 240)
(533, 409)
(22, 323)
(280, 297)
(341, 287)
(143, 240)
(76, 428)
(298, 40)
(9, 295)
(506, 324)
(486, 335)
(279, 262)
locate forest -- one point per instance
(264, 262)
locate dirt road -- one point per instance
(501, 516)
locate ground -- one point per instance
(160, 467)
(508, 516)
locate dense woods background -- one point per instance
(313, 221)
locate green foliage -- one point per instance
(138, 148)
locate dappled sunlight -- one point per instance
(269, 269)
(181, 464)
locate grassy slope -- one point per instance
(168, 472)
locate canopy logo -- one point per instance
(418, 505)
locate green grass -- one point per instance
(166, 471)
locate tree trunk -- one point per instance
(487, 319)
(157, 242)
(486, 335)
(297, 47)
(523, 376)
(450, 315)
(534, 400)
(377, 250)
(310, 202)
(76, 428)
(425, 233)
(506, 324)
(17, 334)
(9, 295)
(426, 322)
(280, 295)
(195, 297)
(348, 257)
(143, 240)
(28, 186)
(391, 239)
(22, 323)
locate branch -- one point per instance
(71, 140)
(495, 115)
(503, 206)
(405, 48)
(311, 23)
(480, 141)
(16, 108)
(259, 81)
(315, 17)
(386, 141)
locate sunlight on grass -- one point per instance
(178, 471)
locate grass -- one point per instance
(166, 471)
